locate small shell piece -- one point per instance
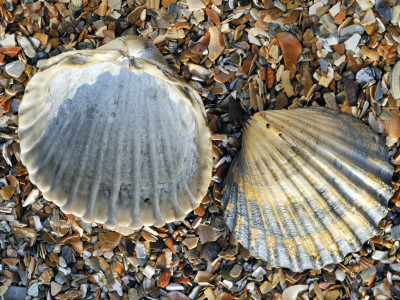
(308, 187)
(114, 136)
(395, 81)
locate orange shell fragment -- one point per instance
(216, 45)
(10, 51)
(223, 77)
(291, 48)
(392, 127)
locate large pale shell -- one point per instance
(308, 187)
(113, 136)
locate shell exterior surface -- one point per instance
(113, 136)
(308, 187)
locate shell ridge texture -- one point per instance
(357, 171)
(317, 196)
(378, 150)
(295, 232)
(282, 232)
(117, 130)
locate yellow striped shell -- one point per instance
(113, 136)
(308, 187)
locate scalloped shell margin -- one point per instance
(74, 184)
(308, 187)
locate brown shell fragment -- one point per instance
(270, 78)
(308, 187)
(392, 126)
(213, 15)
(216, 45)
(10, 51)
(291, 49)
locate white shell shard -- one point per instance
(308, 187)
(395, 81)
(113, 136)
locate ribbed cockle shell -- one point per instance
(308, 187)
(112, 135)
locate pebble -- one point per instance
(199, 71)
(195, 4)
(175, 287)
(8, 41)
(340, 275)
(313, 8)
(3, 289)
(329, 24)
(175, 296)
(37, 223)
(140, 250)
(26, 46)
(191, 242)
(379, 255)
(368, 274)
(396, 291)
(33, 290)
(115, 4)
(364, 76)
(208, 234)
(332, 295)
(395, 81)
(266, 287)
(395, 232)
(68, 255)
(383, 10)
(330, 100)
(395, 267)
(4, 227)
(352, 43)
(203, 276)
(15, 293)
(148, 271)
(258, 271)
(236, 271)
(55, 288)
(350, 91)
(32, 197)
(378, 95)
(352, 29)
(79, 276)
(291, 293)
(61, 262)
(323, 64)
(376, 124)
(365, 4)
(15, 68)
(60, 278)
(211, 250)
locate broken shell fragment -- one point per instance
(308, 187)
(291, 49)
(395, 81)
(114, 136)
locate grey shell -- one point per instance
(308, 187)
(112, 135)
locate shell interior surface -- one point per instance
(112, 139)
(308, 187)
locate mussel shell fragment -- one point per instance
(112, 135)
(308, 187)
